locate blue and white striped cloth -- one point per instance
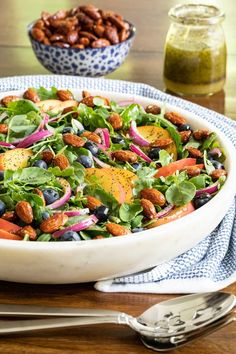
(209, 266)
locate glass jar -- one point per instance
(195, 50)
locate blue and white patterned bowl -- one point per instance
(91, 62)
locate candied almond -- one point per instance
(61, 161)
(125, 156)
(88, 101)
(53, 223)
(201, 134)
(3, 128)
(24, 211)
(40, 194)
(155, 196)
(175, 118)
(194, 152)
(31, 94)
(92, 136)
(116, 229)
(92, 202)
(64, 95)
(28, 231)
(73, 140)
(148, 208)
(7, 99)
(153, 109)
(192, 171)
(48, 156)
(161, 142)
(216, 174)
(9, 216)
(101, 42)
(185, 135)
(115, 120)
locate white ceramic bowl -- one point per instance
(73, 262)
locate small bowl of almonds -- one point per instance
(83, 41)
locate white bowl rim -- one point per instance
(193, 217)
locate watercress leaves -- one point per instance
(21, 107)
(180, 193)
(45, 94)
(127, 212)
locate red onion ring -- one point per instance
(210, 189)
(164, 211)
(84, 224)
(34, 138)
(101, 163)
(135, 135)
(7, 145)
(105, 136)
(140, 153)
(66, 196)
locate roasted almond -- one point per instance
(85, 41)
(153, 109)
(73, 140)
(31, 94)
(125, 156)
(48, 156)
(148, 208)
(194, 152)
(53, 223)
(175, 118)
(72, 110)
(92, 136)
(101, 42)
(37, 34)
(185, 135)
(99, 30)
(201, 134)
(111, 34)
(7, 99)
(155, 196)
(192, 171)
(3, 128)
(85, 94)
(9, 216)
(24, 211)
(161, 143)
(116, 229)
(28, 231)
(88, 100)
(92, 202)
(115, 120)
(61, 161)
(64, 95)
(216, 174)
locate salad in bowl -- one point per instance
(75, 169)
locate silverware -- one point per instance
(166, 319)
(174, 342)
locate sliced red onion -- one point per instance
(43, 122)
(105, 136)
(66, 196)
(7, 145)
(84, 224)
(53, 119)
(165, 211)
(139, 152)
(71, 213)
(210, 189)
(137, 138)
(34, 138)
(101, 163)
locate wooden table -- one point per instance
(144, 64)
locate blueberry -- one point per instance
(184, 127)
(50, 195)
(86, 161)
(137, 229)
(154, 153)
(201, 200)
(218, 165)
(1, 175)
(136, 165)
(93, 148)
(40, 164)
(70, 236)
(101, 213)
(118, 139)
(45, 215)
(67, 130)
(79, 132)
(2, 208)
